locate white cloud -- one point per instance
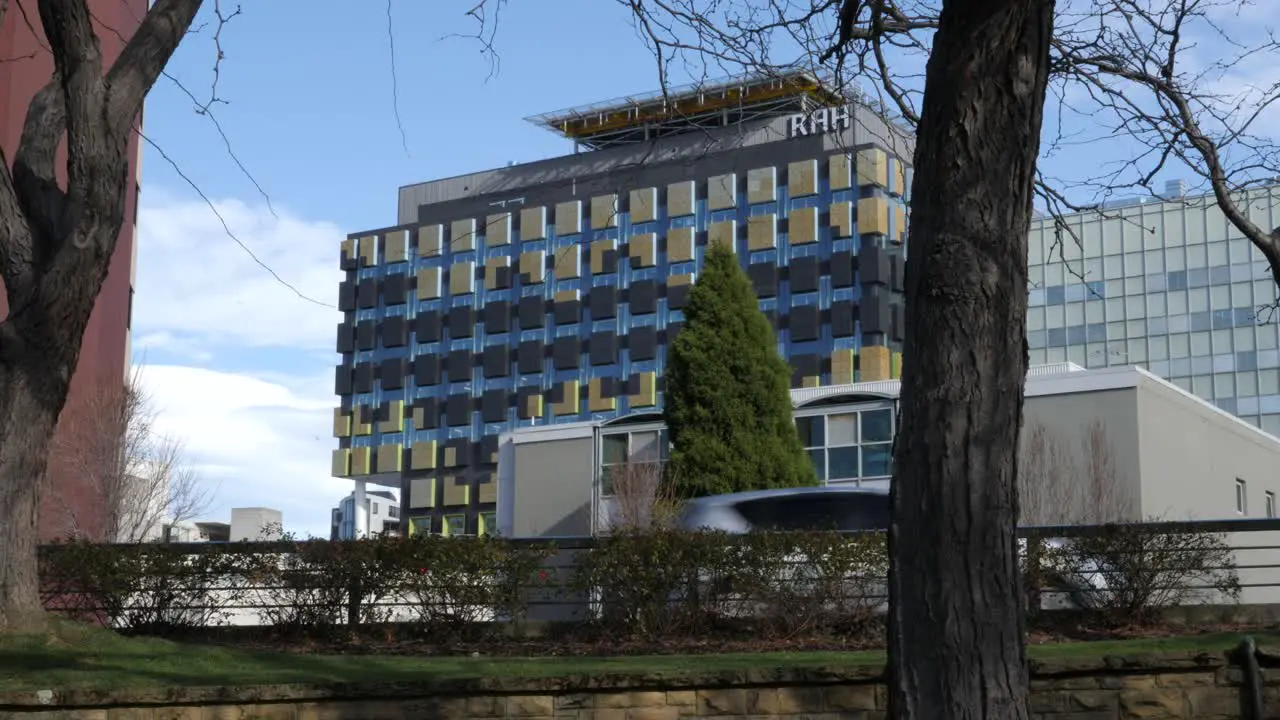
(257, 442)
(196, 283)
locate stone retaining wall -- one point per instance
(1202, 686)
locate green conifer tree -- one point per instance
(728, 406)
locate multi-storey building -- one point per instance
(1169, 285)
(548, 292)
(381, 508)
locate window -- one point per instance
(1242, 499)
(488, 523)
(419, 525)
(849, 445)
(631, 458)
(393, 511)
(1271, 504)
(373, 508)
(454, 525)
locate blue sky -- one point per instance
(241, 367)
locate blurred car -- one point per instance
(831, 507)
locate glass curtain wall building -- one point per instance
(1168, 285)
(548, 292)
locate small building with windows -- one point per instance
(1097, 445)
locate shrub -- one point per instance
(321, 584)
(145, 588)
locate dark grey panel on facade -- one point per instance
(523, 395)
(488, 447)
(364, 377)
(366, 335)
(643, 296)
(873, 266)
(604, 302)
(502, 277)
(343, 380)
(568, 311)
(609, 387)
(772, 316)
(897, 273)
(609, 262)
(677, 296)
(529, 357)
(346, 337)
(497, 317)
(497, 361)
(642, 342)
(805, 366)
(461, 448)
(395, 331)
(426, 370)
(392, 373)
(673, 329)
(367, 293)
(462, 321)
(875, 314)
(533, 312)
(843, 266)
(430, 412)
(844, 316)
(603, 348)
(566, 353)
(426, 326)
(346, 296)
(803, 273)
(395, 289)
(764, 278)
(897, 322)
(349, 263)
(493, 405)
(457, 410)
(805, 322)
(458, 366)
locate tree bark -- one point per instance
(956, 617)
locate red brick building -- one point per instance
(104, 359)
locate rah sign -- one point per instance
(820, 121)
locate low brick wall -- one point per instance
(1202, 686)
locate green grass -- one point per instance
(75, 656)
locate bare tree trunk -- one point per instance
(956, 619)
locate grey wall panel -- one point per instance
(529, 357)
(462, 321)
(426, 326)
(552, 493)
(366, 335)
(426, 370)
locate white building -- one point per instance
(381, 509)
(256, 523)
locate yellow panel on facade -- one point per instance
(341, 463)
(422, 456)
(395, 246)
(843, 368)
(899, 223)
(762, 185)
(362, 420)
(494, 278)
(874, 364)
(839, 169)
(348, 250)
(646, 394)
(533, 223)
(680, 198)
(596, 401)
(341, 423)
(450, 458)
(361, 460)
(568, 262)
(533, 266)
(457, 492)
(802, 178)
(680, 244)
(644, 205)
(762, 232)
(369, 250)
(722, 192)
(462, 278)
(569, 218)
(678, 280)
(604, 211)
(643, 250)
(570, 401)
(532, 407)
(841, 219)
(497, 230)
(422, 493)
(810, 381)
(873, 167)
(570, 295)
(429, 283)
(395, 418)
(430, 238)
(487, 493)
(895, 366)
(419, 418)
(600, 250)
(804, 226)
(462, 235)
(390, 458)
(898, 178)
(873, 216)
(723, 233)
